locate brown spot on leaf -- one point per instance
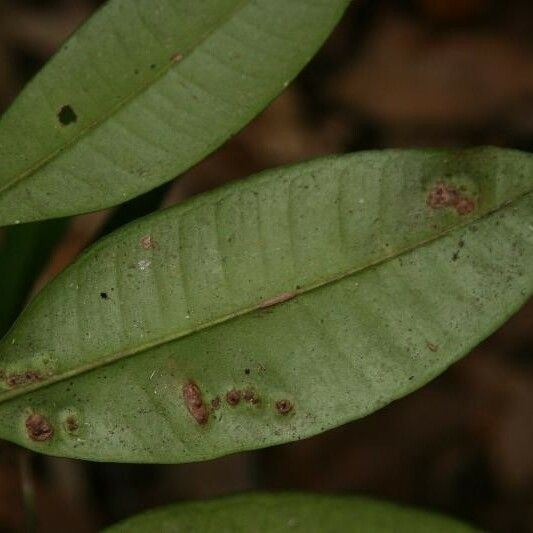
(446, 195)
(38, 427)
(465, 205)
(72, 424)
(433, 347)
(250, 396)
(23, 378)
(233, 397)
(176, 58)
(280, 298)
(283, 407)
(148, 243)
(194, 402)
(215, 403)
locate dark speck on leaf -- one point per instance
(67, 115)
(104, 295)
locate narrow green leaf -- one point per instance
(290, 512)
(145, 90)
(24, 251)
(271, 309)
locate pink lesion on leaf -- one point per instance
(444, 195)
(195, 403)
(39, 428)
(22, 378)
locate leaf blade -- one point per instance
(138, 95)
(340, 326)
(290, 512)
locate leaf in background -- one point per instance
(24, 251)
(290, 512)
(138, 207)
(145, 90)
(271, 309)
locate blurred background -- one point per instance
(394, 74)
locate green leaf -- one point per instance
(290, 512)
(142, 92)
(24, 251)
(271, 309)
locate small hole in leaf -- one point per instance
(104, 295)
(67, 115)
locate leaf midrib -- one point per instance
(117, 356)
(83, 132)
